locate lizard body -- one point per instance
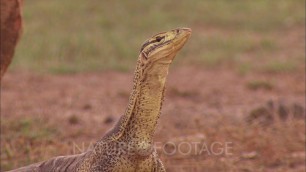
(128, 147)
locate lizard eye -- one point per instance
(159, 38)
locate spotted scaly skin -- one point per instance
(128, 147)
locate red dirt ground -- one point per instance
(201, 105)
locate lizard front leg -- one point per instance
(150, 164)
(158, 165)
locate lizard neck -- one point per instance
(147, 105)
(147, 102)
(137, 125)
(119, 129)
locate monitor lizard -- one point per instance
(128, 146)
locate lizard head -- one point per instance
(163, 47)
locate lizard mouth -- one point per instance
(175, 45)
(182, 36)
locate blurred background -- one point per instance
(241, 72)
(76, 36)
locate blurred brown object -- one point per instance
(11, 26)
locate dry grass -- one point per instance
(279, 147)
(58, 118)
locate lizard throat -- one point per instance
(148, 103)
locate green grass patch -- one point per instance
(32, 129)
(260, 84)
(78, 36)
(234, 49)
(280, 67)
(24, 138)
(244, 68)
